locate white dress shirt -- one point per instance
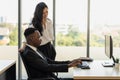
(35, 49)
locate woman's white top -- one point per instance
(47, 34)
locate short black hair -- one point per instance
(29, 31)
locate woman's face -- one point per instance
(45, 13)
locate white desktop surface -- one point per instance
(5, 64)
(96, 71)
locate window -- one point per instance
(8, 23)
(9, 30)
(104, 19)
(71, 22)
(71, 27)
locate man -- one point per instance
(38, 65)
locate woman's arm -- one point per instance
(23, 47)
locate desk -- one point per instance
(96, 72)
(7, 70)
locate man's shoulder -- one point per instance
(28, 50)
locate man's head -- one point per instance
(32, 36)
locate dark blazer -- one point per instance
(39, 67)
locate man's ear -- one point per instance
(31, 38)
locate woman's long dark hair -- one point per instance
(38, 15)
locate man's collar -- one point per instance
(32, 47)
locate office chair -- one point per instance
(28, 72)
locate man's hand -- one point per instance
(74, 63)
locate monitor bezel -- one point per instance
(110, 54)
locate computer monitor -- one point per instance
(109, 50)
(108, 46)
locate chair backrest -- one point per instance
(24, 62)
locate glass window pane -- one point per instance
(71, 27)
(8, 22)
(105, 20)
(9, 30)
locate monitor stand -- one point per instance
(109, 63)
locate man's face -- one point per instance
(36, 39)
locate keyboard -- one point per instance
(86, 59)
(84, 65)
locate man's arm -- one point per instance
(38, 63)
(50, 61)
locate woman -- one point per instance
(45, 27)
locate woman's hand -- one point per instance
(21, 50)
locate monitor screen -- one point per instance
(109, 51)
(108, 46)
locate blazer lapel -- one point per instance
(39, 52)
(42, 54)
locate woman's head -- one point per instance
(41, 11)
